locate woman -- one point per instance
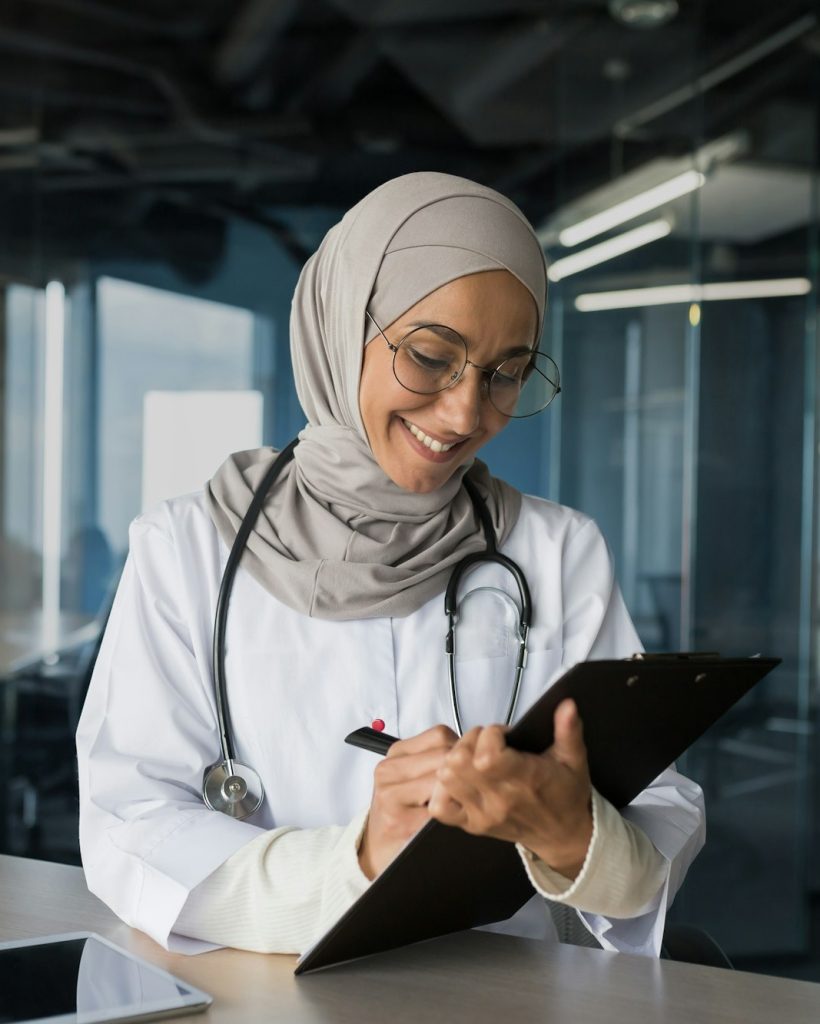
(336, 621)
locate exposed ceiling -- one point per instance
(150, 120)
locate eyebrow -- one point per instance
(443, 331)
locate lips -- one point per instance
(435, 450)
(427, 440)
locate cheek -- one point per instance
(381, 397)
(492, 422)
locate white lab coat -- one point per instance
(296, 687)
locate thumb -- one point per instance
(568, 745)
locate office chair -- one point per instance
(692, 945)
(682, 942)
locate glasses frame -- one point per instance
(487, 372)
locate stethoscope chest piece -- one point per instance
(232, 788)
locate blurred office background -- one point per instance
(165, 169)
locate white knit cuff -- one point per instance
(621, 875)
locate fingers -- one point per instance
(403, 782)
(483, 751)
(479, 758)
(439, 737)
(392, 770)
(490, 748)
(443, 807)
(568, 744)
(454, 788)
(410, 792)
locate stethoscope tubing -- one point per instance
(489, 555)
(224, 786)
(223, 600)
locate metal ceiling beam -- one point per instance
(198, 174)
(112, 14)
(201, 129)
(250, 39)
(515, 53)
(462, 74)
(34, 95)
(627, 126)
(289, 129)
(331, 84)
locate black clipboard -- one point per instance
(639, 715)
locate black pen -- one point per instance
(371, 739)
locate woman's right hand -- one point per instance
(402, 785)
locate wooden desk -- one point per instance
(475, 976)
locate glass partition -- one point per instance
(155, 340)
(687, 429)
(20, 570)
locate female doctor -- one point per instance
(337, 621)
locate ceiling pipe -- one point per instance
(184, 112)
(112, 15)
(624, 127)
(250, 38)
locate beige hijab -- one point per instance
(336, 538)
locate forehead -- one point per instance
(483, 307)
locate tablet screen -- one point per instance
(83, 979)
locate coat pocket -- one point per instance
(485, 685)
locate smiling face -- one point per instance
(495, 314)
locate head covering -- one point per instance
(337, 538)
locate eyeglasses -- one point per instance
(432, 358)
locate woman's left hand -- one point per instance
(542, 801)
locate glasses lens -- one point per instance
(429, 359)
(525, 384)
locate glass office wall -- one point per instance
(87, 341)
(687, 429)
(22, 449)
(154, 340)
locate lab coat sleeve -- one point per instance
(670, 810)
(281, 892)
(145, 736)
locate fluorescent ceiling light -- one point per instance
(633, 207)
(689, 293)
(607, 250)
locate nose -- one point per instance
(461, 404)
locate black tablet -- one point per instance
(638, 715)
(81, 978)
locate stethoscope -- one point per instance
(235, 789)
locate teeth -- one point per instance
(426, 440)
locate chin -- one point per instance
(423, 486)
(420, 482)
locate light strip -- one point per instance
(651, 199)
(689, 293)
(53, 462)
(607, 250)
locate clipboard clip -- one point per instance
(675, 656)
